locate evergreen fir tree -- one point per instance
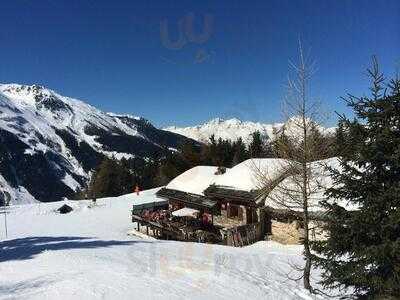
(268, 149)
(170, 167)
(282, 141)
(105, 180)
(340, 143)
(205, 155)
(317, 137)
(190, 154)
(125, 177)
(240, 152)
(214, 152)
(363, 247)
(226, 152)
(112, 178)
(220, 153)
(345, 141)
(256, 149)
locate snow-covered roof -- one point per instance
(245, 176)
(194, 180)
(320, 181)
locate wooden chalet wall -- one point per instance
(244, 235)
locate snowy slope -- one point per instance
(87, 254)
(18, 195)
(232, 129)
(50, 143)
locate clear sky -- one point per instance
(125, 57)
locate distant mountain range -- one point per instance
(49, 143)
(232, 129)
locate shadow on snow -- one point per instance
(27, 248)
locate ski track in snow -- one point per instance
(87, 254)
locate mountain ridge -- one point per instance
(233, 128)
(50, 143)
(230, 129)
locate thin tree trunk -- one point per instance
(307, 251)
(307, 270)
(307, 254)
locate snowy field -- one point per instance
(87, 254)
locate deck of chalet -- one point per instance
(234, 214)
(233, 220)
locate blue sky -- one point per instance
(113, 55)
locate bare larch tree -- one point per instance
(299, 142)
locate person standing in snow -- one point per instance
(137, 190)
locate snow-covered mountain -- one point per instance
(230, 129)
(50, 143)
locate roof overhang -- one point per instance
(193, 201)
(239, 197)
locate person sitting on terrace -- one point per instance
(205, 220)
